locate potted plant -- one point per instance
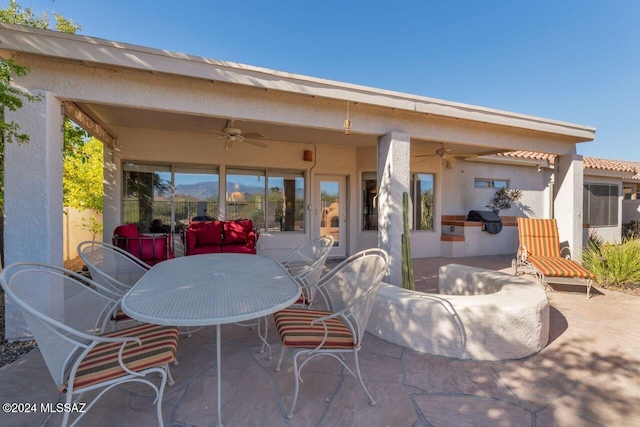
(503, 199)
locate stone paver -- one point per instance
(588, 375)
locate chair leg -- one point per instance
(278, 366)
(264, 339)
(160, 394)
(170, 380)
(372, 402)
(296, 374)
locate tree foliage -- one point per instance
(12, 97)
(15, 14)
(82, 179)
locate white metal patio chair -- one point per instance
(113, 268)
(351, 287)
(306, 264)
(117, 270)
(67, 314)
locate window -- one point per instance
(178, 194)
(422, 189)
(490, 183)
(285, 202)
(627, 193)
(423, 203)
(600, 205)
(148, 194)
(369, 201)
(271, 199)
(196, 195)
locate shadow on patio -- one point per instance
(586, 376)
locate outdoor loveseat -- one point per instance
(207, 237)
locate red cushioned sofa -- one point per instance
(151, 249)
(207, 237)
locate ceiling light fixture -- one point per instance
(347, 122)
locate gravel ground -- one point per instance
(10, 352)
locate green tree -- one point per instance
(82, 170)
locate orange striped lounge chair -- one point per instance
(539, 254)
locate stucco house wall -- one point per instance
(535, 201)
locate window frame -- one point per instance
(612, 209)
(268, 173)
(491, 183)
(417, 205)
(369, 207)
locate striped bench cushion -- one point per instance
(559, 267)
(158, 347)
(294, 327)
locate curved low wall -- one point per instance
(479, 314)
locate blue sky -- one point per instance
(570, 60)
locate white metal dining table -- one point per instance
(212, 289)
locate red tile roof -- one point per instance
(532, 155)
(588, 162)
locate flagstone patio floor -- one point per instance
(588, 375)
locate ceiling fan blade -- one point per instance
(256, 142)
(427, 156)
(253, 135)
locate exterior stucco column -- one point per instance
(567, 203)
(393, 180)
(33, 195)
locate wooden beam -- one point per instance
(72, 111)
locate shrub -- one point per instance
(614, 264)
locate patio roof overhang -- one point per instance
(379, 111)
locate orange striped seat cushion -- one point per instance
(158, 347)
(559, 267)
(294, 327)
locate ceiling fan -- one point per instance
(446, 154)
(233, 134)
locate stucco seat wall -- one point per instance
(492, 316)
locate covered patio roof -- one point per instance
(374, 112)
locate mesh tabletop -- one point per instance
(210, 289)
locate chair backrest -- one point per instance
(304, 258)
(62, 309)
(539, 236)
(353, 284)
(112, 267)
